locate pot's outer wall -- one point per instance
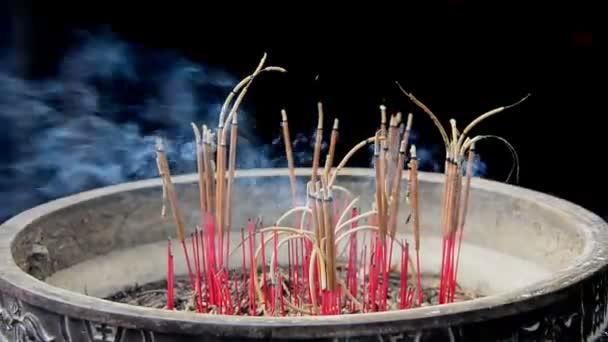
(575, 314)
(568, 307)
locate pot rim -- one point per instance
(25, 287)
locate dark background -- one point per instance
(460, 58)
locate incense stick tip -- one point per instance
(413, 151)
(320, 124)
(376, 146)
(283, 115)
(410, 118)
(336, 123)
(197, 133)
(403, 146)
(160, 146)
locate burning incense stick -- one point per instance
(290, 162)
(313, 179)
(395, 195)
(207, 151)
(169, 190)
(382, 120)
(332, 148)
(464, 207)
(200, 168)
(323, 273)
(170, 277)
(231, 169)
(415, 217)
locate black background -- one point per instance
(460, 58)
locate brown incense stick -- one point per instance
(383, 188)
(414, 197)
(290, 162)
(379, 194)
(485, 116)
(231, 169)
(426, 109)
(383, 120)
(465, 204)
(170, 190)
(329, 232)
(392, 150)
(200, 169)
(209, 170)
(315, 169)
(220, 183)
(332, 148)
(396, 192)
(457, 178)
(348, 155)
(414, 202)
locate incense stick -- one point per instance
(169, 190)
(231, 169)
(290, 162)
(395, 195)
(332, 148)
(209, 170)
(200, 168)
(318, 280)
(464, 207)
(313, 179)
(414, 201)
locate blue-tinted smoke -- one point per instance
(94, 124)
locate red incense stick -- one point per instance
(170, 276)
(264, 281)
(195, 250)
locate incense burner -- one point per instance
(541, 263)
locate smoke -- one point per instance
(95, 122)
(431, 157)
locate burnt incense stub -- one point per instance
(540, 263)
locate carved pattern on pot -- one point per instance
(21, 326)
(100, 332)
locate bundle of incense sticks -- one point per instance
(456, 195)
(338, 258)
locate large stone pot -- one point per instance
(539, 260)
